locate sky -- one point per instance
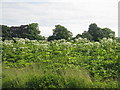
(75, 15)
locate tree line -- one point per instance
(32, 32)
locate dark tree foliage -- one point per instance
(78, 35)
(33, 32)
(99, 33)
(60, 32)
(30, 31)
(51, 38)
(5, 32)
(94, 31)
(19, 32)
(87, 35)
(106, 32)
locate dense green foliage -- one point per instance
(96, 33)
(87, 35)
(77, 63)
(30, 31)
(5, 32)
(34, 32)
(60, 32)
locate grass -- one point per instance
(38, 76)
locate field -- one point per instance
(78, 63)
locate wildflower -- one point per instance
(66, 43)
(62, 40)
(7, 42)
(110, 40)
(14, 48)
(89, 44)
(104, 39)
(74, 44)
(27, 40)
(44, 46)
(79, 38)
(76, 40)
(33, 41)
(72, 41)
(36, 44)
(97, 43)
(85, 40)
(22, 47)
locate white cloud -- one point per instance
(76, 15)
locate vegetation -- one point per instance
(60, 32)
(78, 63)
(89, 60)
(96, 33)
(30, 31)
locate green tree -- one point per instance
(99, 33)
(60, 32)
(30, 31)
(106, 32)
(51, 38)
(94, 31)
(87, 35)
(33, 32)
(5, 32)
(78, 35)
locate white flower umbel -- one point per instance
(110, 40)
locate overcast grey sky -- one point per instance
(75, 15)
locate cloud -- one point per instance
(76, 15)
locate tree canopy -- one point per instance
(87, 35)
(33, 32)
(5, 32)
(60, 32)
(95, 33)
(30, 31)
